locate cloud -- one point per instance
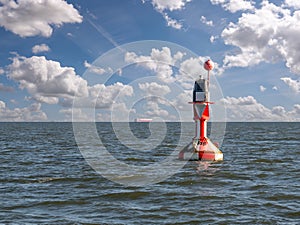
(293, 84)
(162, 6)
(40, 48)
(153, 110)
(159, 61)
(234, 5)
(154, 89)
(2, 105)
(275, 88)
(169, 4)
(98, 70)
(1, 71)
(279, 110)
(192, 66)
(172, 22)
(189, 70)
(207, 22)
(213, 38)
(296, 109)
(30, 113)
(76, 115)
(248, 109)
(249, 100)
(46, 80)
(120, 112)
(68, 113)
(28, 18)
(103, 117)
(100, 96)
(162, 61)
(268, 34)
(104, 96)
(106, 105)
(293, 3)
(6, 88)
(262, 88)
(182, 101)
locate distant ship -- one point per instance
(143, 120)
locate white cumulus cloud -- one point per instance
(162, 61)
(159, 61)
(154, 110)
(267, 34)
(35, 17)
(169, 4)
(182, 101)
(100, 96)
(279, 110)
(249, 109)
(46, 80)
(293, 84)
(120, 112)
(154, 89)
(30, 113)
(104, 96)
(76, 115)
(293, 3)
(246, 109)
(2, 105)
(234, 5)
(40, 48)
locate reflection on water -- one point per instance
(206, 168)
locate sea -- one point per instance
(46, 178)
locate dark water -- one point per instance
(45, 180)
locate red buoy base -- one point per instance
(208, 152)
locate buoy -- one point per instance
(201, 147)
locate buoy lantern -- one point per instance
(208, 65)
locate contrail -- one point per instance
(105, 34)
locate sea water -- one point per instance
(44, 179)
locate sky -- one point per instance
(116, 60)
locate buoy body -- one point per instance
(206, 153)
(201, 147)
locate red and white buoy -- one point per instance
(201, 148)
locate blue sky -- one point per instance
(52, 51)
